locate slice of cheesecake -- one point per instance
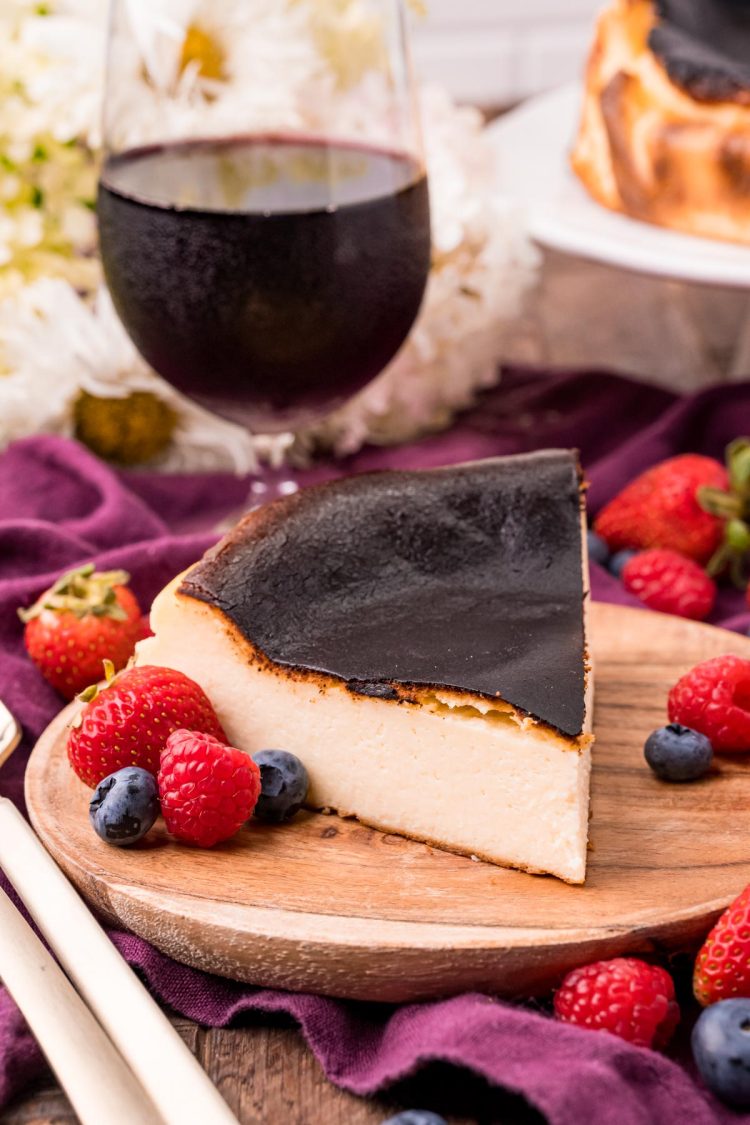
(417, 639)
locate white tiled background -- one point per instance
(493, 52)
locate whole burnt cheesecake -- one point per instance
(417, 639)
(665, 128)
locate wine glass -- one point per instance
(263, 203)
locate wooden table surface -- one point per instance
(268, 1077)
(581, 314)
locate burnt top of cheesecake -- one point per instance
(704, 46)
(467, 578)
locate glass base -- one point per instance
(275, 484)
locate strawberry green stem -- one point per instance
(83, 592)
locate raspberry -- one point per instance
(207, 789)
(714, 698)
(670, 583)
(625, 996)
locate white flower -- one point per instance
(58, 60)
(54, 344)
(50, 94)
(191, 67)
(29, 227)
(186, 68)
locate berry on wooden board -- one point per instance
(677, 753)
(625, 996)
(670, 583)
(125, 806)
(85, 618)
(660, 508)
(714, 698)
(128, 722)
(207, 789)
(283, 785)
(722, 967)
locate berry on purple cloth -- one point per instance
(617, 562)
(416, 1117)
(721, 1049)
(598, 549)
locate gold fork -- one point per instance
(10, 733)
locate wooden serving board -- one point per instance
(329, 906)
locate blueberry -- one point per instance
(598, 549)
(617, 562)
(721, 1049)
(125, 806)
(677, 753)
(283, 785)
(416, 1117)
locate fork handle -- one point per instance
(10, 733)
(93, 1074)
(181, 1091)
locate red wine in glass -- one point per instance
(269, 278)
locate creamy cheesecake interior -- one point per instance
(467, 724)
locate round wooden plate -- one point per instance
(329, 906)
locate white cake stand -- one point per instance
(532, 144)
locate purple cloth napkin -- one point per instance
(59, 506)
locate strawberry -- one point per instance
(145, 629)
(85, 618)
(722, 967)
(732, 505)
(660, 509)
(128, 722)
